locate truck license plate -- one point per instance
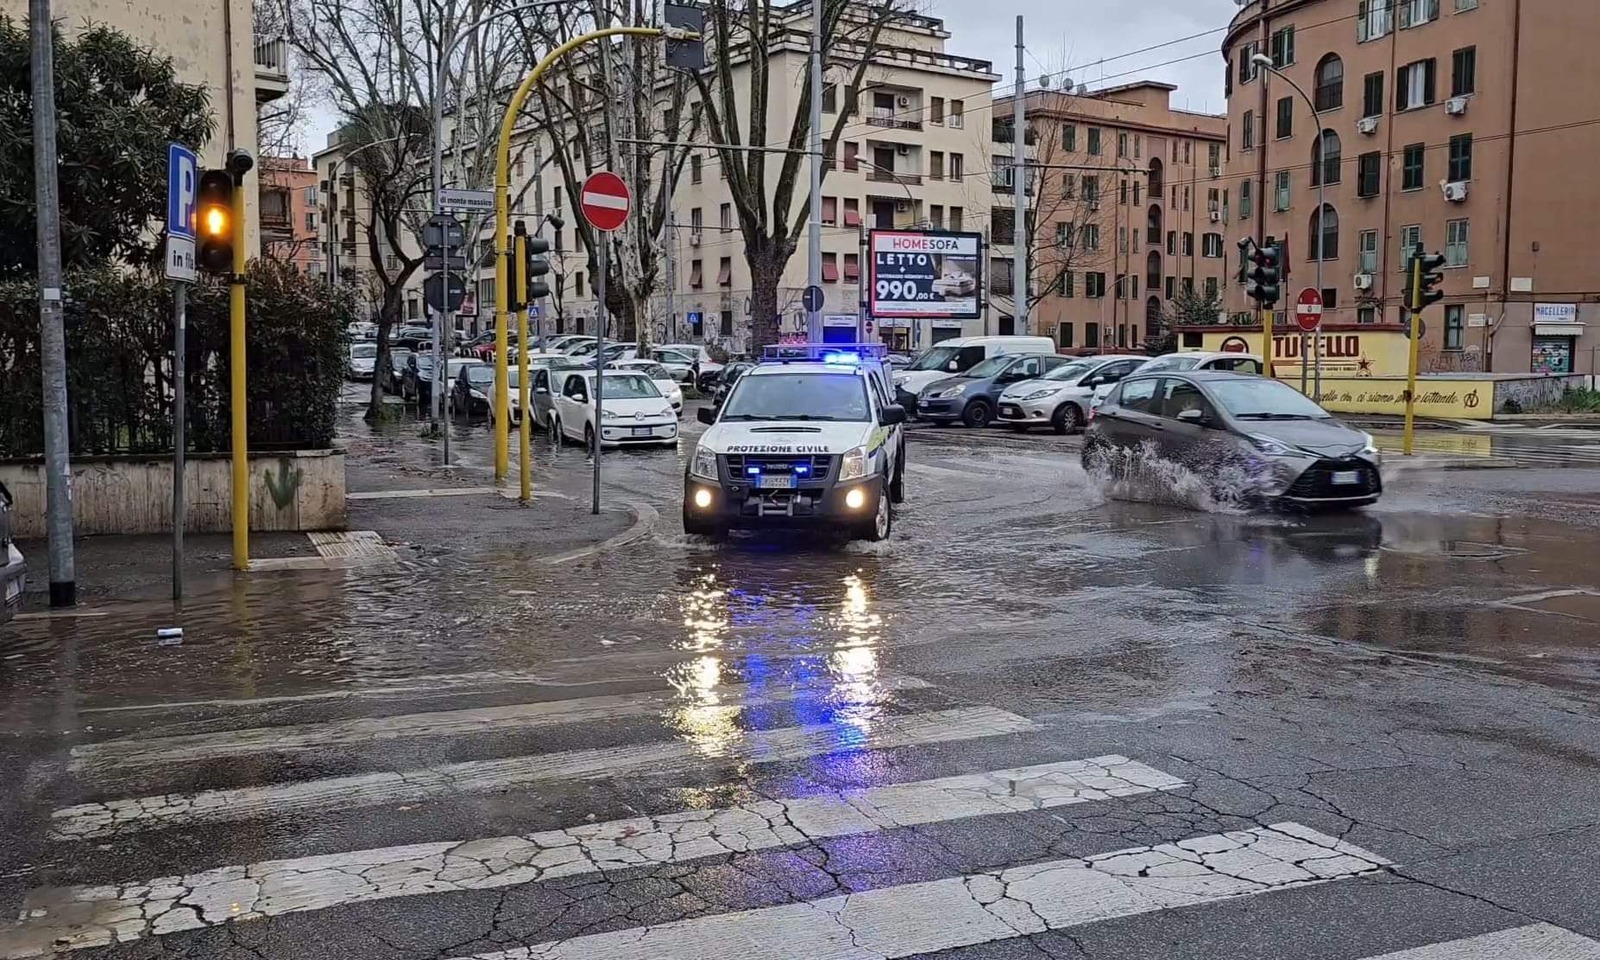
(776, 482)
(1347, 476)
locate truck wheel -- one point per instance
(977, 414)
(897, 486)
(881, 525)
(1068, 418)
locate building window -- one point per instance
(1064, 330)
(1247, 131)
(1464, 72)
(1122, 193)
(830, 98)
(1069, 137)
(1369, 172)
(1211, 246)
(1372, 95)
(1455, 243)
(1094, 141)
(725, 323)
(1464, 5)
(955, 218)
(936, 110)
(1064, 288)
(1324, 233)
(1122, 144)
(725, 217)
(1214, 159)
(1247, 66)
(1410, 240)
(725, 272)
(852, 158)
(1094, 286)
(1366, 315)
(1172, 287)
(936, 165)
(1138, 147)
(1367, 247)
(1414, 13)
(1069, 186)
(1212, 291)
(1188, 244)
(830, 211)
(1411, 167)
(695, 168)
(957, 112)
(1137, 187)
(1280, 194)
(852, 212)
(958, 165)
(1091, 236)
(1372, 19)
(1172, 243)
(1283, 47)
(1461, 157)
(1247, 204)
(830, 267)
(1414, 85)
(1454, 325)
(1285, 118)
(852, 267)
(1330, 84)
(1091, 334)
(697, 220)
(1326, 158)
(578, 283)
(1122, 239)
(311, 222)
(1064, 232)
(1091, 190)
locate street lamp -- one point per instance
(1265, 62)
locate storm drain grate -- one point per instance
(352, 545)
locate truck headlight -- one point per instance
(854, 465)
(704, 464)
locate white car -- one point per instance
(363, 360)
(1192, 360)
(659, 375)
(1061, 399)
(633, 412)
(696, 352)
(678, 363)
(949, 358)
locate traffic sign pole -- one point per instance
(1308, 317)
(604, 201)
(182, 182)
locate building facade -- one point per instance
(1455, 124)
(340, 249)
(290, 221)
(1128, 207)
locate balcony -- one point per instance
(908, 120)
(1004, 132)
(889, 176)
(272, 70)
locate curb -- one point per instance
(645, 518)
(1401, 465)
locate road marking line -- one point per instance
(89, 820)
(979, 908)
(1541, 941)
(79, 917)
(295, 738)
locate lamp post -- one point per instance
(1265, 62)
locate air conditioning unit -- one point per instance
(694, 239)
(1455, 192)
(1363, 281)
(903, 100)
(1367, 125)
(1216, 216)
(902, 206)
(1456, 106)
(903, 149)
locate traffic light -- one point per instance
(214, 222)
(518, 267)
(681, 22)
(1266, 275)
(537, 266)
(1425, 281)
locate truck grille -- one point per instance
(1317, 481)
(803, 468)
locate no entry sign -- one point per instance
(605, 200)
(1308, 310)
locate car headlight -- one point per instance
(480, 395)
(1041, 394)
(704, 464)
(665, 413)
(1370, 448)
(854, 464)
(610, 415)
(1270, 446)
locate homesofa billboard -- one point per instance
(925, 274)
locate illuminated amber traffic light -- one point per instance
(214, 222)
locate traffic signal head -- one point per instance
(1265, 276)
(214, 222)
(1426, 281)
(517, 268)
(537, 266)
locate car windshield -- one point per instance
(1254, 398)
(1176, 362)
(992, 367)
(1069, 371)
(484, 374)
(362, 351)
(799, 396)
(629, 386)
(937, 358)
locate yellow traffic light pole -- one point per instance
(519, 255)
(1266, 340)
(502, 214)
(1414, 347)
(237, 404)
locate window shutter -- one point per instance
(1428, 77)
(1404, 17)
(1363, 32)
(1400, 78)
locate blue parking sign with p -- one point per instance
(183, 178)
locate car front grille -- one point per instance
(803, 468)
(1317, 481)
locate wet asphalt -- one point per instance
(1419, 679)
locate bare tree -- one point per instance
(280, 122)
(375, 62)
(772, 213)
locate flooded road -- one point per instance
(1338, 736)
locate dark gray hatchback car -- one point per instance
(1254, 440)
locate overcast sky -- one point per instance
(1076, 35)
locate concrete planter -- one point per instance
(292, 490)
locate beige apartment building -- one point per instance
(342, 212)
(1463, 125)
(910, 156)
(1128, 204)
(213, 44)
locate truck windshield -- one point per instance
(799, 396)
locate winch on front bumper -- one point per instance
(757, 492)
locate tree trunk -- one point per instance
(384, 368)
(766, 270)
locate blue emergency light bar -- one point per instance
(839, 353)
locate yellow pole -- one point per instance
(1266, 340)
(1414, 297)
(236, 365)
(502, 219)
(519, 250)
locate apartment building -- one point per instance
(907, 157)
(341, 250)
(212, 43)
(1456, 124)
(1128, 206)
(290, 221)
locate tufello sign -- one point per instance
(1369, 353)
(926, 275)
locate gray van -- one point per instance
(13, 572)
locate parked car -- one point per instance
(698, 356)
(13, 570)
(472, 389)
(663, 379)
(724, 380)
(678, 363)
(1062, 397)
(539, 367)
(399, 359)
(361, 330)
(417, 384)
(973, 396)
(363, 358)
(951, 357)
(633, 412)
(1192, 360)
(411, 335)
(470, 347)
(1256, 440)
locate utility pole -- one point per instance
(814, 226)
(1019, 185)
(670, 248)
(52, 335)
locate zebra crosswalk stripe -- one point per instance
(912, 919)
(79, 917)
(91, 820)
(1541, 941)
